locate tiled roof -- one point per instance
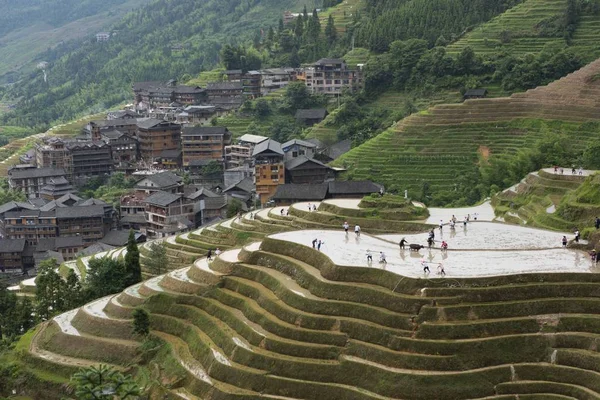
(80, 212)
(204, 130)
(301, 160)
(246, 185)
(299, 142)
(12, 245)
(36, 173)
(267, 145)
(163, 179)
(353, 187)
(116, 238)
(161, 198)
(299, 192)
(312, 113)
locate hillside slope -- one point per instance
(532, 26)
(443, 144)
(279, 320)
(29, 28)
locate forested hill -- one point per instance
(390, 20)
(30, 27)
(97, 75)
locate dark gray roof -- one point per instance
(12, 245)
(312, 113)
(215, 203)
(300, 192)
(121, 113)
(224, 86)
(146, 85)
(205, 130)
(302, 160)
(163, 179)
(134, 219)
(353, 187)
(338, 149)
(112, 134)
(201, 192)
(80, 212)
(12, 205)
(476, 92)
(58, 243)
(148, 123)
(316, 142)
(68, 196)
(88, 144)
(40, 256)
(267, 145)
(36, 173)
(116, 238)
(324, 61)
(246, 185)
(95, 249)
(92, 202)
(298, 142)
(22, 213)
(232, 72)
(161, 198)
(111, 123)
(183, 89)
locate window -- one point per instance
(294, 154)
(274, 177)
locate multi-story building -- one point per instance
(102, 36)
(251, 81)
(233, 75)
(227, 95)
(155, 135)
(32, 180)
(90, 159)
(237, 155)
(269, 169)
(53, 152)
(88, 222)
(164, 181)
(331, 76)
(31, 225)
(123, 147)
(232, 176)
(169, 213)
(68, 247)
(149, 95)
(204, 143)
(14, 256)
(276, 78)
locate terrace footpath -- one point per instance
(277, 319)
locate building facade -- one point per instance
(90, 159)
(155, 135)
(269, 168)
(204, 143)
(32, 180)
(332, 76)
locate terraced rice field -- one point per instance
(278, 319)
(343, 14)
(522, 26)
(442, 143)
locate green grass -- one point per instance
(215, 75)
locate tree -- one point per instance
(157, 259)
(49, 290)
(314, 26)
(234, 207)
(132, 260)
(16, 315)
(262, 108)
(74, 293)
(141, 322)
(299, 29)
(330, 31)
(105, 276)
(104, 383)
(297, 96)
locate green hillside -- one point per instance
(441, 155)
(533, 25)
(29, 28)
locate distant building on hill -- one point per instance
(310, 117)
(332, 76)
(475, 94)
(31, 180)
(102, 36)
(150, 95)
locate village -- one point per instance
(188, 173)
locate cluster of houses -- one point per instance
(196, 105)
(166, 136)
